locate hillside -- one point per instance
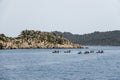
(96, 38)
(35, 39)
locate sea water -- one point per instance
(42, 64)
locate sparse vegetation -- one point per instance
(36, 39)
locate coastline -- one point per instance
(36, 39)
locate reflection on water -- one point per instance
(42, 64)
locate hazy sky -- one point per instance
(76, 16)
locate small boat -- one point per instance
(91, 51)
(100, 51)
(80, 52)
(86, 52)
(55, 51)
(69, 51)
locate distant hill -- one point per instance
(36, 39)
(96, 38)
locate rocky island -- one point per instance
(36, 39)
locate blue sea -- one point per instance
(42, 64)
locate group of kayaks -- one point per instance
(80, 52)
(87, 52)
(57, 51)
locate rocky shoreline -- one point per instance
(36, 39)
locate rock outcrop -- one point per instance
(36, 39)
(1, 46)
